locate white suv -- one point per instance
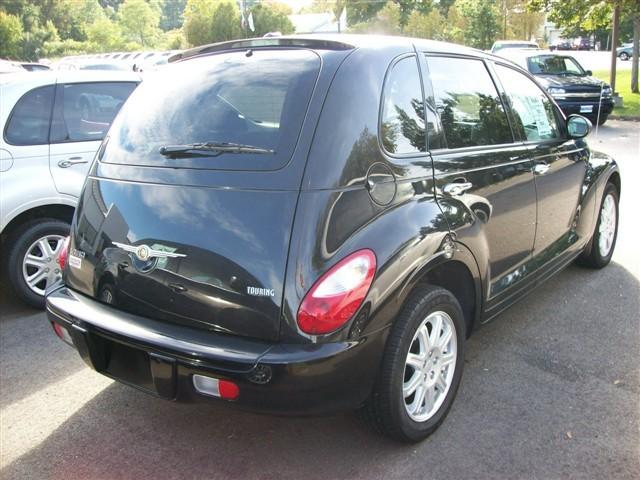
(52, 126)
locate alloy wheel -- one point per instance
(40, 267)
(429, 366)
(607, 230)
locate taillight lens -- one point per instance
(337, 294)
(63, 256)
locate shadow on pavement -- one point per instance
(563, 360)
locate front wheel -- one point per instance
(624, 56)
(422, 366)
(604, 238)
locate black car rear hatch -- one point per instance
(186, 216)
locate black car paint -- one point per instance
(339, 193)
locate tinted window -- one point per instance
(534, 112)
(257, 99)
(84, 111)
(468, 103)
(554, 65)
(402, 129)
(29, 120)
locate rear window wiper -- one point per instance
(210, 149)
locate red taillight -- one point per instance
(337, 294)
(63, 256)
(228, 390)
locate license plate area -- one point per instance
(128, 364)
(586, 108)
(148, 371)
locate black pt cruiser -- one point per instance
(303, 225)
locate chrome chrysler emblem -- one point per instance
(145, 253)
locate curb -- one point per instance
(630, 118)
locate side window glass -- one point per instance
(470, 108)
(402, 128)
(29, 120)
(534, 112)
(86, 110)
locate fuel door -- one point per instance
(381, 184)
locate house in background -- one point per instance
(319, 23)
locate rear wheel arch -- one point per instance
(60, 212)
(460, 276)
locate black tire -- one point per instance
(18, 245)
(602, 119)
(624, 56)
(385, 409)
(592, 256)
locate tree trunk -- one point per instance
(634, 56)
(614, 45)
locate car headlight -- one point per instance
(556, 91)
(606, 91)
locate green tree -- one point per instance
(34, 40)
(104, 35)
(10, 35)
(209, 21)
(71, 17)
(407, 7)
(172, 11)
(197, 21)
(139, 21)
(225, 24)
(270, 17)
(482, 22)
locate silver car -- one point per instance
(53, 123)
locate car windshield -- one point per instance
(554, 65)
(254, 98)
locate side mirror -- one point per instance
(589, 73)
(578, 126)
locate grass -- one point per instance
(631, 101)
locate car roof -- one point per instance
(47, 77)
(520, 55)
(514, 42)
(331, 42)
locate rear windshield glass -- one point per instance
(252, 98)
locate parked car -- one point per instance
(560, 45)
(35, 67)
(519, 44)
(7, 66)
(582, 43)
(97, 64)
(53, 123)
(573, 88)
(625, 52)
(290, 224)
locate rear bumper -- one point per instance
(161, 359)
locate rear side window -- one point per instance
(29, 120)
(534, 112)
(402, 126)
(84, 111)
(468, 103)
(255, 98)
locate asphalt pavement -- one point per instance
(551, 390)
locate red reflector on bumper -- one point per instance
(62, 333)
(228, 390)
